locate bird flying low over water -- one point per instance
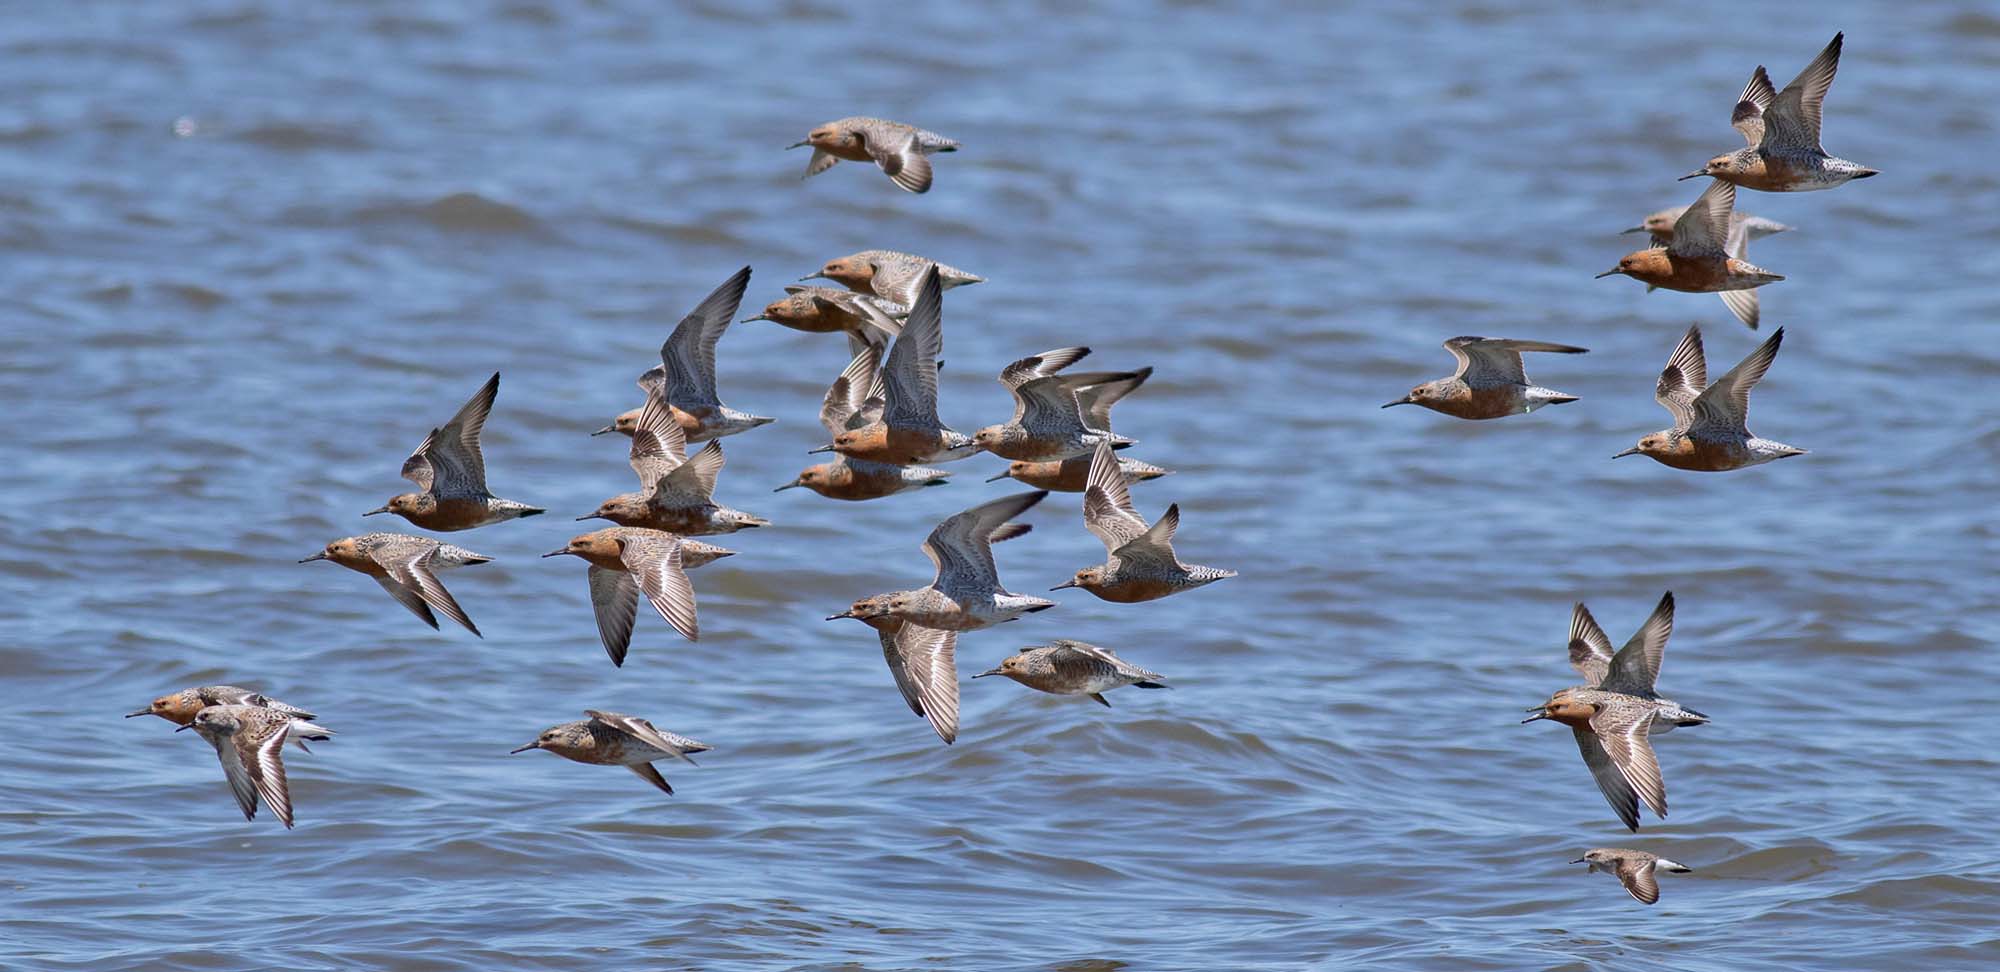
(903, 151)
(1784, 154)
(627, 561)
(855, 400)
(677, 494)
(1637, 870)
(451, 471)
(1066, 667)
(685, 376)
(616, 739)
(1616, 712)
(1141, 565)
(406, 567)
(909, 430)
(890, 275)
(1709, 433)
(1489, 382)
(965, 594)
(1742, 229)
(1703, 256)
(250, 742)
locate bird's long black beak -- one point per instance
(1629, 452)
(1000, 477)
(591, 516)
(1696, 174)
(1405, 400)
(824, 448)
(1605, 274)
(1532, 718)
(318, 556)
(537, 744)
(811, 276)
(1581, 860)
(843, 614)
(608, 428)
(379, 509)
(1064, 585)
(755, 317)
(787, 486)
(990, 671)
(798, 145)
(184, 728)
(133, 715)
(555, 553)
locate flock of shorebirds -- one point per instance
(881, 414)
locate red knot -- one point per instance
(901, 150)
(1614, 715)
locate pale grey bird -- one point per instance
(1635, 869)
(406, 567)
(615, 739)
(1066, 667)
(250, 742)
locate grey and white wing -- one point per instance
(688, 356)
(1748, 116)
(892, 655)
(821, 161)
(1793, 120)
(410, 565)
(1483, 361)
(614, 598)
(961, 546)
(241, 785)
(658, 444)
(1107, 503)
(1156, 544)
(904, 162)
(1636, 874)
(692, 483)
(1681, 381)
(930, 663)
(1623, 731)
(655, 562)
(1096, 400)
(408, 598)
(261, 747)
(910, 375)
(849, 392)
(1610, 780)
(1636, 667)
(1589, 647)
(1084, 657)
(1042, 365)
(644, 731)
(1725, 405)
(1703, 231)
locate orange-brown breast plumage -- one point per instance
(882, 443)
(1479, 403)
(1132, 591)
(452, 513)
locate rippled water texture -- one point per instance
(252, 253)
